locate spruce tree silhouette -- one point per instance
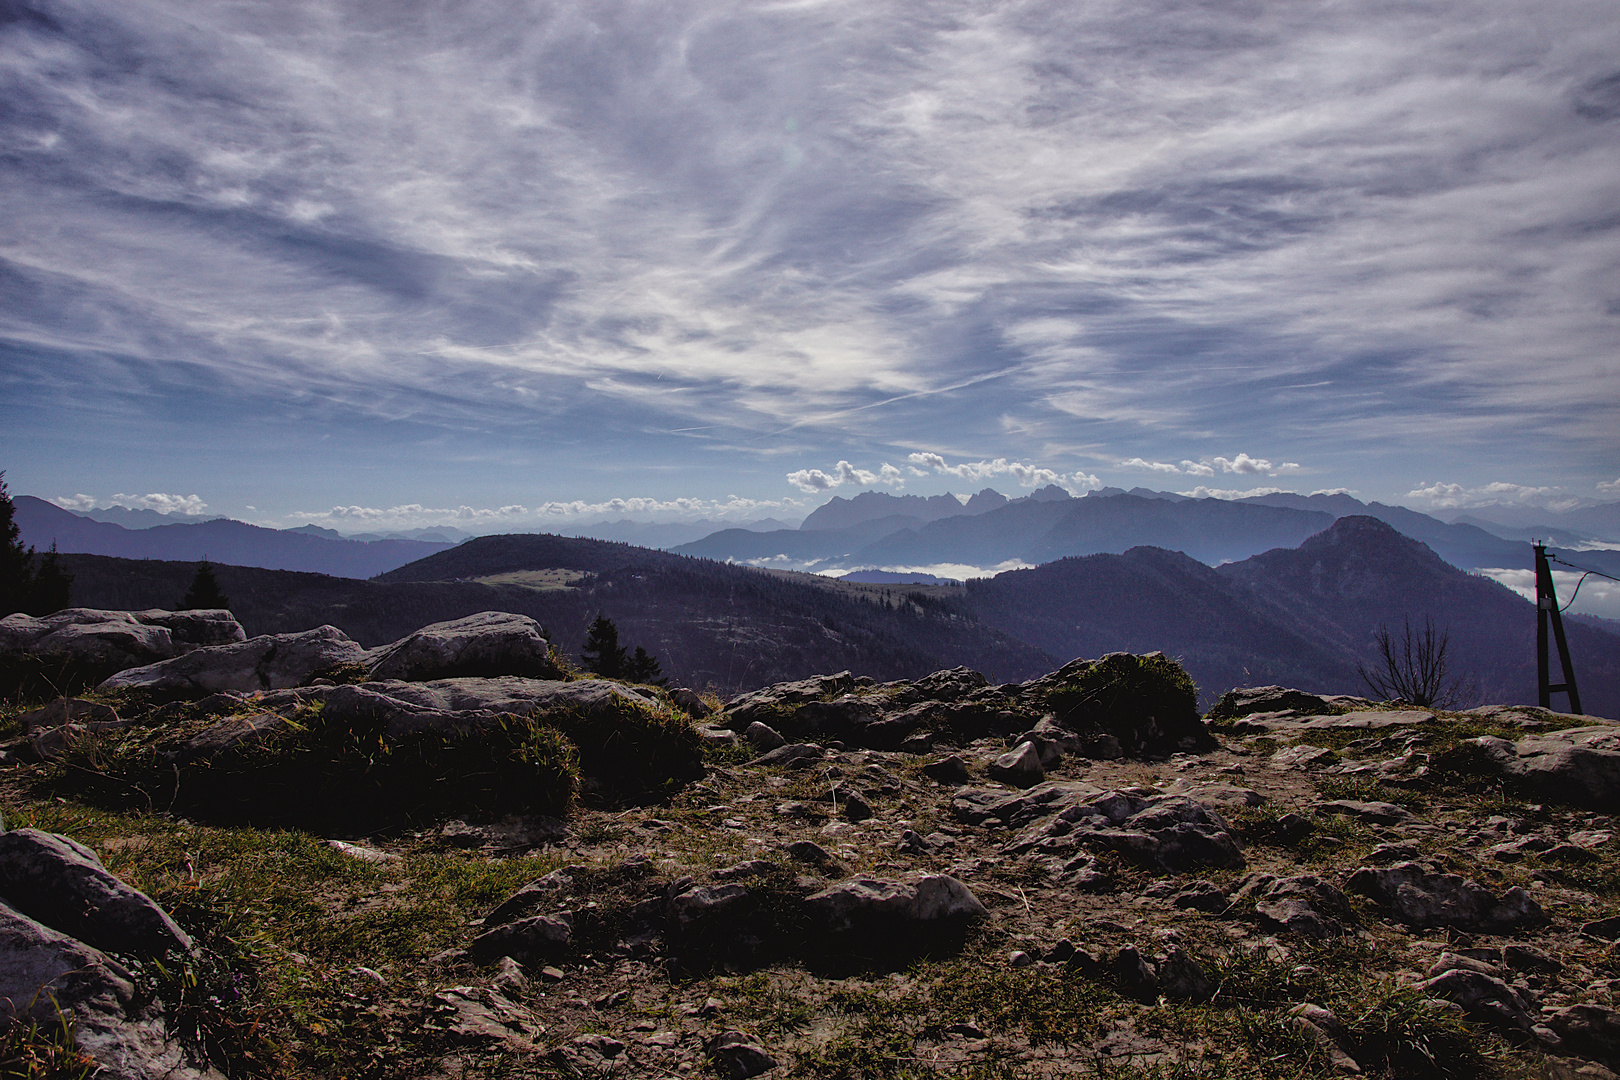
(642, 667)
(16, 561)
(21, 587)
(52, 587)
(205, 593)
(602, 653)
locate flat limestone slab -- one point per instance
(1364, 719)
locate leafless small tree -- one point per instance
(1416, 668)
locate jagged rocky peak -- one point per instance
(841, 513)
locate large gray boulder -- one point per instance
(444, 706)
(875, 904)
(63, 884)
(769, 703)
(1423, 899)
(112, 640)
(1281, 700)
(1291, 725)
(267, 662)
(46, 975)
(487, 644)
(459, 705)
(1577, 765)
(1245, 700)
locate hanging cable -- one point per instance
(1582, 581)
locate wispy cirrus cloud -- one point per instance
(832, 229)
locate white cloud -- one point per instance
(417, 515)
(812, 481)
(1608, 487)
(975, 472)
(1084, 481)
(1242, 464)
(1202, 492)
(1352, 492)
(163, 504)
(189, 505)
(1447, 496)
(1151, 466)
(1597, 596)
(1251, 466)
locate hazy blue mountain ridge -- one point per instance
(1303, 616)
(220, 540)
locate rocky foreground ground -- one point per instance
(1076, 876)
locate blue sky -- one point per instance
(495, 264)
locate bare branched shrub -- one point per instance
(1416, 668)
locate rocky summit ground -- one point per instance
(836, 878)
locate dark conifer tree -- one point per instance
(205, 593)
(16, 561)
(603, 654)
(642, 667)
(52, 588)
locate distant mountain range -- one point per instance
(1303, 616)
(41, 524)
(655, 534)
(942, 535)
(141, 519)
(1599, 521)
(438, 534)
(876, 530)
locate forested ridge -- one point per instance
(709, 624)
